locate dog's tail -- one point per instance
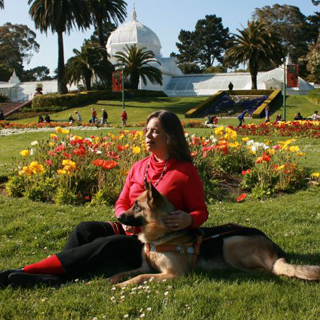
(282, 268)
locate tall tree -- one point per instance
(40, 73)
(17, 45)
(107, 29)
(315, 2)
(256, 45)
(186, 46)
(92, 61)
(60, 16)
(293, 27)
(1, 4)
(205, 44)
(106, 11)
(211, 40)
(136, 61)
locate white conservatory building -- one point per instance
(175, 83)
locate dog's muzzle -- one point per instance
(130, 220)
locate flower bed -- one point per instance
(71, 170)
(310, 129)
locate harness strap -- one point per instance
(237, 227)
(185, 248)
(116, 226)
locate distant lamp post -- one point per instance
(121, 68)
(284, 89)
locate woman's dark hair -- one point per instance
(177, 144)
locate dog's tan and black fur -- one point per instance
(248, 249)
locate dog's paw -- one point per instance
(114, 279)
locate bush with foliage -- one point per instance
(68, 169)
(3, 98)
(76, 99)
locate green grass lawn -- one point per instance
(30, 231)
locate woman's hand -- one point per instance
(178, 220)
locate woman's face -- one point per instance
(156, 139)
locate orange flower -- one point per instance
(107, 164)
(242, 197)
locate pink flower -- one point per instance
(49, 162)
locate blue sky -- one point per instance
(165, 17)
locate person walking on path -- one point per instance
(104, 117)
(78, 117)
(267, 112)
(241, 117)
(93, 115)
(124, 117)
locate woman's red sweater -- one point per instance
(181, 184)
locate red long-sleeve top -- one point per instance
(181, 184)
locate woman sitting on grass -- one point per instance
(92, 244)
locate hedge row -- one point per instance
(72, 100)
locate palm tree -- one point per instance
(106, 11)
(92, 61)
(60, 16)
(1, 4)
(136, 62)
(256, 45)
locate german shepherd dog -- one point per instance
(169, 254)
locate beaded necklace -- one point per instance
(161, 175)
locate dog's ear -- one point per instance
(154, 196)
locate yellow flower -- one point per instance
(301, 154)
(234, 144)
(267, 142)
(294, 149)
(124, 173)
(25, 153)
(136, 150)
(280, 167)
(77, 137)
(58, 129)
(271, 152)
(121, 136)
(51, 144)
(61, 171)
(69, 165)
(65, 131)
(245, 139)
(315, 175)
(35, 167)
(219, 131)
(53, 136)
(139, 133)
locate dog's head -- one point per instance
(147, 212)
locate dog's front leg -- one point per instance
(140, 279)
(118, 277)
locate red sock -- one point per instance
(51, 265)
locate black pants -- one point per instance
(94, 243)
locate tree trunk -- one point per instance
(100, 33)
(134, 80)
(254, 75)
(62, 87)
(87, 81)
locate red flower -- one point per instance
(49, 162)
(113, 155)
(244, 172)
(122, 148)
(81, 151)
(241, 197)
(193, 154)
(67, 155)
(106, 164)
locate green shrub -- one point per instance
(3, 98)
(314, 96)
(15, 187)
(73, 100)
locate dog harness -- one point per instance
(190, 248)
